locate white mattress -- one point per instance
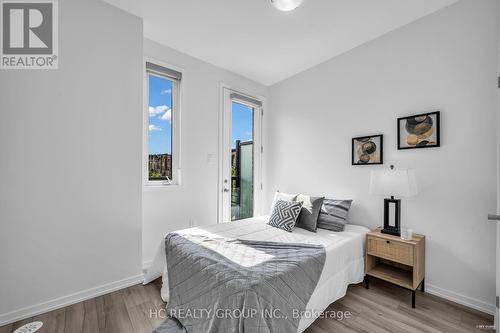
(344, 257)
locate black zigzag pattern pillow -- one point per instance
(285, 214)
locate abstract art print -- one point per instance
(419, 131)
(368, 150)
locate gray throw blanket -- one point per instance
(227, 285)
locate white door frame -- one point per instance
(224, 152)
(497, 310)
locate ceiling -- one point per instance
(251, 38)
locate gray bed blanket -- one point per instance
(228, 285)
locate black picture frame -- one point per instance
(435, 126)
(355, 161)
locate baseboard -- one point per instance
(146, 265)
(461, 299)
(63, 301)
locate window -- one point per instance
(162, 142)
(242, 152)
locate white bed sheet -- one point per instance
(344, 262)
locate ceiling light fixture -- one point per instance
(286, 5)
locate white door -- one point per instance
(240, 156)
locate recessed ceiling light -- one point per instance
(286, 5)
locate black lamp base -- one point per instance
(391, 232)
(395, 227)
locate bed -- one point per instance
(343, 264)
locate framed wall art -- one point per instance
(368, 150)
(419, 131)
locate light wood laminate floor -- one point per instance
(382, 308)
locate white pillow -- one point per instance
(282, 196)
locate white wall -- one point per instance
(447, 62)
(70, 171)
(195, 199)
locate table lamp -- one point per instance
(393, 183)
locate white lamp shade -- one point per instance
(398, 183)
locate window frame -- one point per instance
(175, 123)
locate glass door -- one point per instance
(241, 161)
(241, 156)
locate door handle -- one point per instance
(226, 190)
(493, 217)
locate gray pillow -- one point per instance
(282, 196)
(285, 215)
(311, 207)
(333, 215)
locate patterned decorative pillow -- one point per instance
(333, 215)
(285, 215)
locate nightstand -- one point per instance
(395, 260)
